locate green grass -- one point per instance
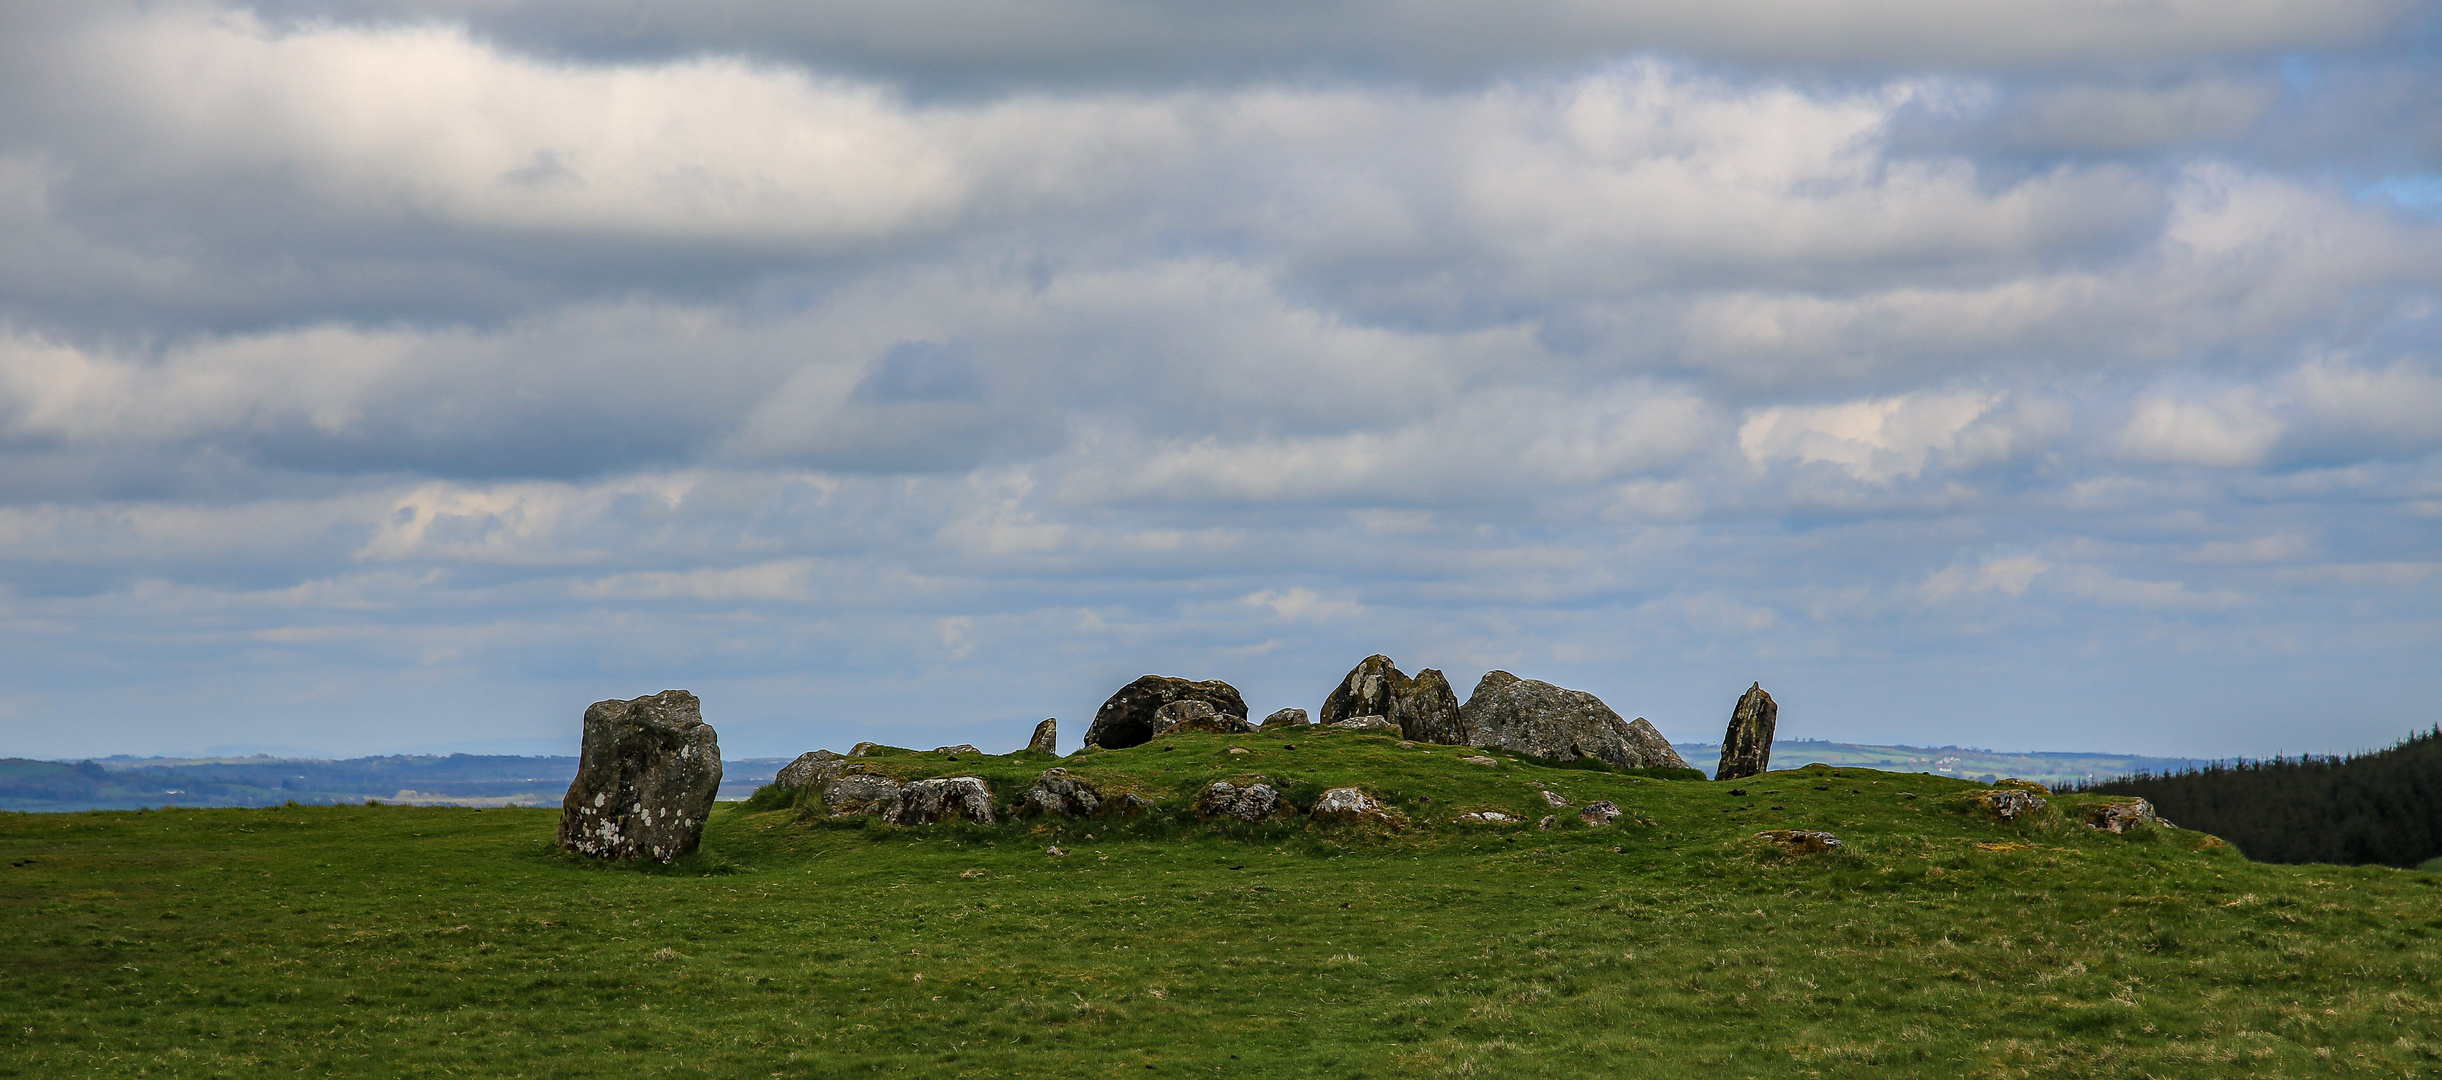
(385, 941)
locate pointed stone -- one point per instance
(1424, 708)
(1046, 738)
(1746, 749)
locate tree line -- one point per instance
(2382, 806)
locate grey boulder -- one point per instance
(859, 794)
(1046, 738)
(1366, 723)
(1602, 812)
(1130, 717)
(1197, 714)
(924, 802)
(1061, 793)
(1534, 717)
(2121, 815)
(1286, 718)
(646, 777)
(811, 770)
(1348, 804)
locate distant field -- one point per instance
(2045, 768)
(403, 941)
(457, 779)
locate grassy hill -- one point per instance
(395, 941)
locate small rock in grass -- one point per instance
(1548, 821)
(1252, 803)
(1348, 804)
(1058, 791)
(1477, 759)
(1554, 798)
(1240, 750)
(961, 748)
(1055, 850)
(971, 875)
(1365, 723)
(1285, 718)
(1599, 813)
(2010, 804)
(1801, 841)
(2121, 815)
(1485, 817)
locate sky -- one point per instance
(405, 375)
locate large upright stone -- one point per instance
(1130, 717)
(1424, 708)
(647, 775)
(1046, 738)
(1534, 717)
(1746, 749)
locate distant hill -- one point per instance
(457, 779)
(1966, 763)
(2383, 806)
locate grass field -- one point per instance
(393, 941)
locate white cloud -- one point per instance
(1300, 603)
(1877, 440)
(2231, 430)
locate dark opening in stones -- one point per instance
(1126, 733)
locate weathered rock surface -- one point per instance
(1255, 802)
(1348, 804)
(2121, 815)
(1367, 723)
(647, 776)
(1196, 714)
(924, 802)
(1424, 708)
(1486, 817)
(1063, 793)
(1801, 841)
(1555, 799)
(1746, 749)
(1602, 812)
(1046, 738)
(1128, 718)
(2010, 804)
(1286, 718)
(1479, 759)
(859, 794)
(1535, 717)
(811, 770)
(961, 748)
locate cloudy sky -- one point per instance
(385, 374)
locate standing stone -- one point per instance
(1286, 718)
(1534, 717)
(1367, 690)
(811, 770)
(1424, 708)
(1746, 749)
(1129, 717)
(648, 774)
(923, 802)
(1046, 738)
(1427, 710)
